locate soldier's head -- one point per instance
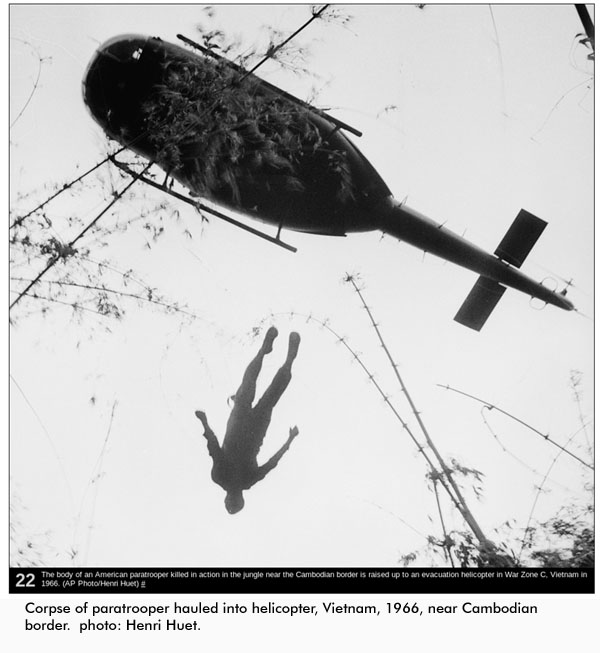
(234, 502)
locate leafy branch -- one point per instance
(146, 297)
(68, 250)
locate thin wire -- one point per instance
(35, 84)
(395, 516)
(97, 477)
(500, 60)
(555, 107)
(48, 437)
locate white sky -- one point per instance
(481, 130)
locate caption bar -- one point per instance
(65, 580)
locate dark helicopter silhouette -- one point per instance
(240, 142)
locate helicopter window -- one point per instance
(137, 54)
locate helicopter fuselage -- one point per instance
(233, 139)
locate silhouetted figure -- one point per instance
(235, 467)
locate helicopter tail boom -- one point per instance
(496, 271)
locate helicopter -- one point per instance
(249, 147)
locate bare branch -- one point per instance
(461, 502)
(545, 436)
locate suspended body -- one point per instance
(233, 139)
(235, 466)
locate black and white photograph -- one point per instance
(303, 287)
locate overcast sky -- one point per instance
(470, 114)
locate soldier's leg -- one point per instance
(247, 390)
(281, 379)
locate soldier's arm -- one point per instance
(212, 443)
(263, 470)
